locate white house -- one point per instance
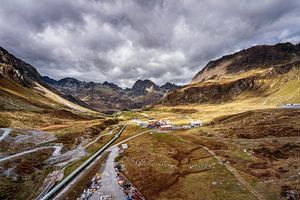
(196, 123)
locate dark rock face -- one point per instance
(112, 85)
(109, 97)
(142, 87)
(16, 69)
(214, 93)
(261, 56)
(49, 80)
(169, 86)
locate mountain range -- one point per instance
(269, 71)
(22, 87)
(108, 97)
(25, 99)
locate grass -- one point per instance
(118, 158)
(176, 181)
(74, 165)
(160, 165)
(29, 172)
(4, 123)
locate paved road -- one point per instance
(228, 167)
(6, 132)
(55, 153)
(109, 182)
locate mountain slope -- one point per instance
(257, 57)
(269, 73)
(108, 97)
(24, 96)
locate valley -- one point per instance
(232, 133)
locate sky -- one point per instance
(121, 41)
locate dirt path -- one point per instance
(130, 138)
(100, 136)
(228, 167)
(55, 153)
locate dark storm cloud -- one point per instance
(123, 40)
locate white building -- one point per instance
(166, 127)
(196, 123)
(124, 146)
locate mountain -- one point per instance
(24, 96)
(257, 57)
(109, 97)
(142, 87)
(169, 86)
(268, 72)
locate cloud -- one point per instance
(121, 41)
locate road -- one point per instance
(109, 181)
(86, 169)
(130, 138)
(55, 153)
(77, 173)
(6, 132)
(228, 167)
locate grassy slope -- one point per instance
(37, 107)
(271, 94)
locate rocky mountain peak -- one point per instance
(16, 69)
(142, 87)
(49, 80)
(112, 85)
(68, 80)
(169, 86)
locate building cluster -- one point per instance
(166, 125)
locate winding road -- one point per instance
(55, 153)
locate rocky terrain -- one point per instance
(108, 97)
(260, 72)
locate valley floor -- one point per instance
(240, 153)
(260, 146)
